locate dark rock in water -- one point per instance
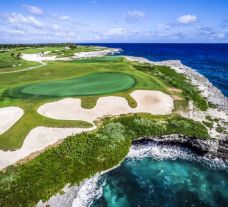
(222, 151)
(208, 148)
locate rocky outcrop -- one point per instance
(210, 92)
(209, 148)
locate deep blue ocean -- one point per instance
(211, 60)
(153, 182)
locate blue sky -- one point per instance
(179, 21)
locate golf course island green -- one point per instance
(40, 155)
(92, 84)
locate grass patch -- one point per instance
(81, 156)
(220, 129)
(209, 124)
(10, 62)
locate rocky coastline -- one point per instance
(211, 149)
(218, 145)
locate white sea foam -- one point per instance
(160, 152)
(88, 192)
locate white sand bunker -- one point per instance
(9, 116)
(37, 139)
(154, 102)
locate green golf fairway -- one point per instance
(93, 84)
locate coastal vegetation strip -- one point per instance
(176, 80)
(81, 156)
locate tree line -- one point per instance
(12, 46)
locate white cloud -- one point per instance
(163, 27)
(133, 15)
(187, 19)
(64, 17)
(33, 9)
(218, 36)
(117, 31)
(56, 26)
(16, 32)
(17, 19)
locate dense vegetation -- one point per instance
(81, 156)
(177, 80)
(38, 45)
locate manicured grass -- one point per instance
(81, 156)
(9, 62)
(92, 84)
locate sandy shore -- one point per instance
(8, 117)
(153, 102)
(38, 139)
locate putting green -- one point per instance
(93, 84)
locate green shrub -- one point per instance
(209, 124)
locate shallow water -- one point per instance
(154, 175)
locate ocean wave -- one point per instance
(160, 152)
(90, 189)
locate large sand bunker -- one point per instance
(37, 139)
(153, 102)
(9, 116)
